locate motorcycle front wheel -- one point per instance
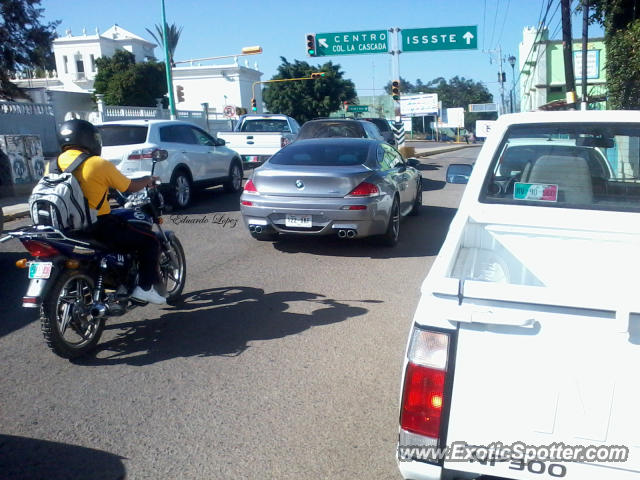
(67, 324)
(173, 268)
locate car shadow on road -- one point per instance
(219, 322)
(429, 166)
(210, 200)
(429, 185)
(22, 458)
(420, 236)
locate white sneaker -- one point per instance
(150, 295)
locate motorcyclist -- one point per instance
(96, 175)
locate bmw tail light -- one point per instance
(40, 249)
(423, 395)
(249, 187)
(365, 189)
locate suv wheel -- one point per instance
(181, 189)
(233, 183)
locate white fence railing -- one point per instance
(19, 108)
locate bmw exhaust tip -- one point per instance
(342, 233)
(252, 228)
(257, 229)
(351, 234)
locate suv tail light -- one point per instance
(423, 396)
(249, 187)
(365, 189)
(39, 249)
(284, 142)
(143, 154)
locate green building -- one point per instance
(542, 70)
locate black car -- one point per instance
(339, 127)
(385, 129)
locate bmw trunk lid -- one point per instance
(309, 181)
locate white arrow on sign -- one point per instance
(468, 36)
(323, 42)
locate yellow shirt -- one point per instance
(95, 176)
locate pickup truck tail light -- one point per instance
(423, 396)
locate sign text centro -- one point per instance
(352, 43)
(440, 38)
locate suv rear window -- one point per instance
(331, 129)
(381, 123)
(312, 153)
(113, 135)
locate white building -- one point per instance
(218, 85)
(76, 55)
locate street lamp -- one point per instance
(512, 62)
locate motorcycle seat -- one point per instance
(84, 236)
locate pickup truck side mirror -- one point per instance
(458, 173)
(220, 142)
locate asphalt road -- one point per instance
(283, 361)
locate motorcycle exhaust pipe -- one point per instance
(351, 233)
(99, 310)
(258, 229)
(342, 233)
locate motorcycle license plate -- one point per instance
(40, 269)
(302, 221)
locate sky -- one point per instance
(213, 28)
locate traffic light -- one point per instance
(254, 105)
(395, 89)
(311, 44)
(502, 77)
(317, 74)
(180, 93)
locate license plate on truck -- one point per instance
(40, 269)
(300, 221)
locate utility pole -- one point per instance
(501, 78)
(567, 50)
(585, 38)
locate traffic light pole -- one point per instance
(314, 76)
(167, 65)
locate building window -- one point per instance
(556, 89)
(65, 61)
(93, 63)
(79, 65)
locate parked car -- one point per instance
(196, 158)
(339, 127)
(257, 137)
(527, 333)
(385, 129)
(332, 186)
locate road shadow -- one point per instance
(24, 458)
(210, 200)
(429, 166)
(420, 236)
(429, 185)
(218, 322)
(13, 285)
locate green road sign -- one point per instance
(352, 43)
(440, 38)
(357, 108)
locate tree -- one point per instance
(25, 43)
(173, 35)
(124, 82)
(621, 20)
(306, 99)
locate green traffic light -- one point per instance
(255, 109)
(311, 52)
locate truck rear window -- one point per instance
(113, 135)
(265, 125)
(589, 166)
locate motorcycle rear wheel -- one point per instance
(67, 324)
(173, 275)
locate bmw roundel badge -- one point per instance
(299, 184)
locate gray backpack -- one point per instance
(58, 201)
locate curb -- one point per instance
(444, 150)
(15, 215)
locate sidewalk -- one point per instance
(18, 206)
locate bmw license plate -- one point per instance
(300, 221)
(40, 269)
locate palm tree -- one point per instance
(173, 35)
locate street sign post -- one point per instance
(357, 108)
(440, 38)
(351, 43)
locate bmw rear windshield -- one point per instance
(113, 135)
(313, 153)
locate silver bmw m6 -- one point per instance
(348, 187)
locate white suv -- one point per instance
(196, 159)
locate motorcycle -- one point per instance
(77, 282)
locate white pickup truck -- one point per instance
(523, 357)
(258, 137)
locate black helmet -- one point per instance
(80, 134)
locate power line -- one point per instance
(495, 20)
(484, 17)
(506, 14)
